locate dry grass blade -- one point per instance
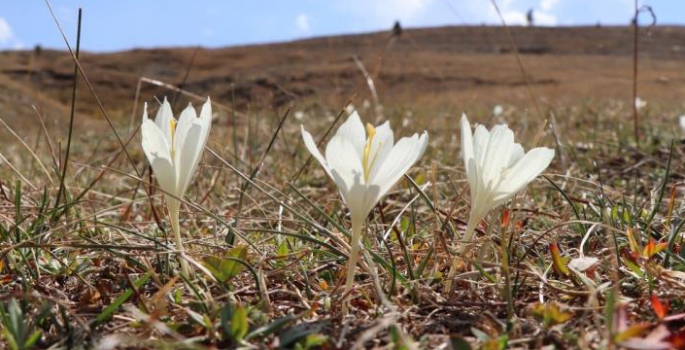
(33, 154)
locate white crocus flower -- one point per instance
(365, 163)
(640, 103)
(497, 110)
(496, 168)
(174, 149)
(681, 121)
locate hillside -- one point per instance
(455, 68)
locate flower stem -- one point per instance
(355, 245)
(505, 271)
(174, 207)
(468, 234)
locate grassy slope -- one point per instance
(110, 248)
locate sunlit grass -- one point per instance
(100, 265)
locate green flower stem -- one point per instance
(355, 245)
(174, 207)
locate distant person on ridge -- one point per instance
(529, 18)
(397, 29)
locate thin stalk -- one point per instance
(470, 229)
(185, 78)
(174, 207)
(61, 189)
(505, 270)
(636, 120)
(92, 90)
(234, 125)
(355, 244)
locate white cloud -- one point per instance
(5, 31)
(302, 22)
(514, 18)
(403, 9)
(544, 19)
(383, 12)
(547, 5)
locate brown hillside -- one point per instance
(455, 68)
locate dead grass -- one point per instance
(99, 270)
(70, 272)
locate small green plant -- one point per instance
(17, 330)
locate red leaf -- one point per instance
(660, 309)
(652, 248)
(505, 218)
(677, 340)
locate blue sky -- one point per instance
(124, 24)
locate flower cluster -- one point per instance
(364, 162)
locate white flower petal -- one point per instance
(526, 169)
(359, 198)
(153, 141)
(401, 158)
(166, 176)
(311, 146)
(517, 153)
(497, 156)
(163, 119)
(189, 156)
(353, 130)
(382, 144)
(342, 160)
(473, 147)
(185, 121)
(157, 153)
(206, 119)
(481, 137)
(467, 147)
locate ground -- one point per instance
(588, 256)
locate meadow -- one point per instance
(588, 255)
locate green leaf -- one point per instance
(609, 311)
(229, 266)
(626, 217)
(272, 327)
(503, 340)
(239, 323)
(458, 343)
(32, 339)
(196, 317)
(315, 340)
(482, 336)
(299, 333)
(111, 308)
(485, 274)
(282, 249)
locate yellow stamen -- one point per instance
(366, 165)
(173, 123)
